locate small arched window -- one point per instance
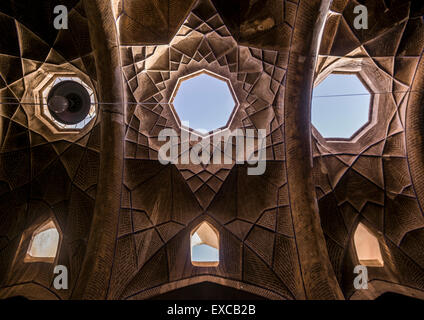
(367, 247)
(205, 246)
(44, 244)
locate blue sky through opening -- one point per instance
(340, 117)
(205, 102)
(204, 253)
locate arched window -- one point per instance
(44, 244)
(205, 246)
(367, 247)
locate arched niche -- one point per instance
(367, 247)
(204, 245)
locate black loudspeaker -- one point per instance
(69, 102)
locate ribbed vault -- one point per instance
(126, 219)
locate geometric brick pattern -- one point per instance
(203, 42)
(368, 180)
(156, 222)
(43, 175)
(55, 175)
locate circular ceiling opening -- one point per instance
(67, 104)
(340, 106)
(203, 102)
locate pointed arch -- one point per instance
(44, 244)
(204, 245)
(239, 285)
(367, 247)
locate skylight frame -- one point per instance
(191, 76)
(371, 108)
(42, 113)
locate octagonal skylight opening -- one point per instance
(341, 106)
(45, 113)
(204, 102)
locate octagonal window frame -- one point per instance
(216, 76)
(42, 112)
(372, 116)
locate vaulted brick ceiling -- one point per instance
(372, 179)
